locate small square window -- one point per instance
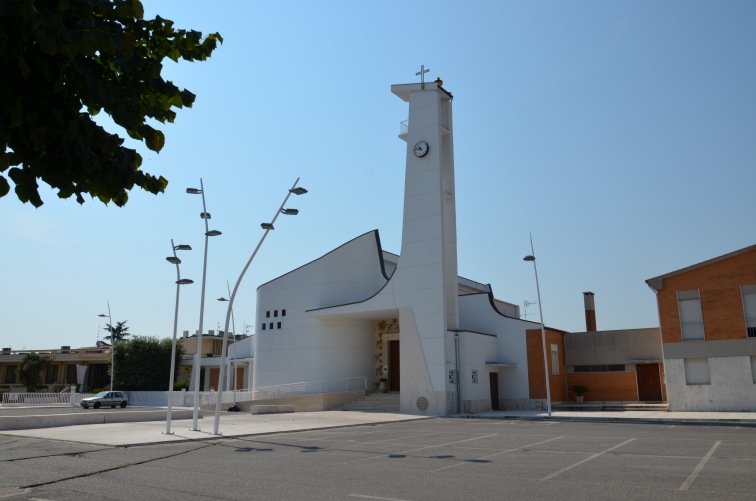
(267, 314)
(283, 313)
(263, 326)
(275, 313)
(271, 325)
(279, 325)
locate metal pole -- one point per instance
(233, 324)
(173, 347)
(231, 305)
(197, 361)
(543, 332)
(112, 349)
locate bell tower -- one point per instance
(425, 282)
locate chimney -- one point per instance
(186, 334)
(590, 312)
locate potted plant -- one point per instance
(579, 391)
(382, 388)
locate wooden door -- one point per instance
(393, 379)
(493, 378)
(649, 382)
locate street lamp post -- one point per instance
(267, 227)
(233, 325)
(112, 346)
(179, 282)
(532, 259)
(198, 356)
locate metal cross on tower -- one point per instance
(422, 73)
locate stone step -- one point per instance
(611, 406)
(374, 402)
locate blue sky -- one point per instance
(621, 134)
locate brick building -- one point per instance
(707, 315)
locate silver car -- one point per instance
(111, 398)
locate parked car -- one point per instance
(111, 398)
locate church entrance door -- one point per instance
(393, 363)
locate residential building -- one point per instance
(707, 315)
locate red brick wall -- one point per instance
(605, 386)
(536, 374)
(721, 302)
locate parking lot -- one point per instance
(414, 460)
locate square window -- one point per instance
(275, 313)
(263, 326)
(554, 360)
(267, 314)
(753, 369)
(283, 313)
(697, 371)
(749, 308)
(271, 325)
(691, 317)
(279, 325)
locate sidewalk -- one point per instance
(230, 425)
(710, 418)
(245, 424)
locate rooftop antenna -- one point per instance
(528, 303)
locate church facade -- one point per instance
(443, 342)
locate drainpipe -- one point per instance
(456, 357)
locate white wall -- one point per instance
(731, 389)
(477, 314)
(307, 348)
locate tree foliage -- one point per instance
(117, 333)
(143, 363)
(30, 370)
(64, 61)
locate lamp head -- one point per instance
(193, 191)
(102, 315)
(298, 190)
(213, 233)
(290, 212)
(267, 226)
(183, 247)
(185, 281)
(529, 258)
(173, 260)
(222, 299)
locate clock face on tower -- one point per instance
(421, 149)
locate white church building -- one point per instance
(443, 342)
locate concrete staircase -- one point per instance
(374, 402)
(611, 406)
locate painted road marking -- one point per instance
(692, 477)
(498, 453)
(420, 449)
(590, 458)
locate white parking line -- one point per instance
(420, 449)
(497, 453)
(692, 477)
(374, 497)
(594, 456)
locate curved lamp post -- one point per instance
(532, 259)
(198, 356)
(267, 227)
(179, 282)
(233, 326)
(112, 346)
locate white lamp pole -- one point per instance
(532, 258)
(267, 227)
(179, 282)
(112, 346)
(233, 325)
(198, 356)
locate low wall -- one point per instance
(100, 416)
(307, 403)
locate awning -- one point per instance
(501, 364)
(644, 361)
